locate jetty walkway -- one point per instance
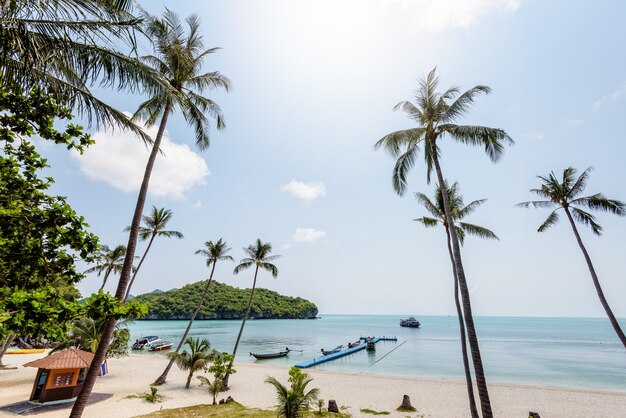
(342, 353)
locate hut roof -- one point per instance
(66, 359)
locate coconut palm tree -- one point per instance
(155, 227)
(111, 261)
(435, 115)
(178, 59)
(68, 46)
(293, 402)
(459, 211)
(214, 387)
(214, 252)
(564, 193)
(258, 255)
(86, 333)
(196, 358)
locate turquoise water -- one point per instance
(570, 352)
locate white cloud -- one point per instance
(308, 235)
(118, 158)
(608, 98)
(536, 135)
(197, 205)
(306, 191)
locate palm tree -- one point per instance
(459, 211)
(179, 57)
(214, 252)
(111, 261)
(259, 257)
(293, 402)
(68, 46)
(564, 194)
(155, 227)
(435, 114)
(214, 387)
(86, 333)
(196, 358)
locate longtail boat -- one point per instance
(260, 356)
(333, 351)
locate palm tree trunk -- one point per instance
(132, 280)
(189, 378)
(596, 282)
(163, 378)
(243, 323)
(106, 276)
(5, 346)
(122, 285)
(481, 382)
(459, 312)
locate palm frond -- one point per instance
(478, 231)
(493, 139)
(463, 103)
(551, 220)
(427, 222)
(599, 202)
(586, 219)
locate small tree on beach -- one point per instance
(214, 387)
(435, 115)
(111, 261)
(155, 224)
(214, 252)
(195, 359)
(564, 194)
(259, 257)
(459, 211)
(293, 401)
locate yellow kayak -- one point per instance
(26, 351)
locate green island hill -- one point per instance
(224, 302)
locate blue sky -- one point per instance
(314, 86)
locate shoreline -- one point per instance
(435, 398)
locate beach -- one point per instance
(433, 398)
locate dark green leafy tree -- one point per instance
(155, 225)
(436, 115)
(66, 47)
(459, 211)
(258, 256)
(110, 261)
(565, 193)
(41, 237)
(296, 400)
(214, 252)
(198, 356)
(178, 59)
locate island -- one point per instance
(224, 302)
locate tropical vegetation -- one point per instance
(109, 261)
(294, 401)
(85, 334)
(214, 252)
(436, 115)
(459, 211)
(199, 354)
(565, 193)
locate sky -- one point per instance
(314, 84)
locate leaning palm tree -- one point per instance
(259, 257)
(178, 59)
(564, 194)
(155, 224)
(214, 252)
(196, 358)
(459, 211)
(435, 115)
(67, 47)
(111, 261)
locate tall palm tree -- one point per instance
(155, 227)
(214, 252)
(435, 115)
(459, 211)
(564, 194)
(111, 261)
(68, 46)
(196, 358)
(258, 255)
(178, 59)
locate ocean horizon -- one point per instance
(548, 351)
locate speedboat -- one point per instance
(410, 323)
(159, 345)
(140, 343)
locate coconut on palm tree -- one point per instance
(178, 58)
(110, 261)
(436, 115)
(565, 194)
(196, 358)
(258, 256)
(293, 401)
(214, 252)
(459, 211)
(155, 224)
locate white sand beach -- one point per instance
(433, 398)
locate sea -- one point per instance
(565, 352)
